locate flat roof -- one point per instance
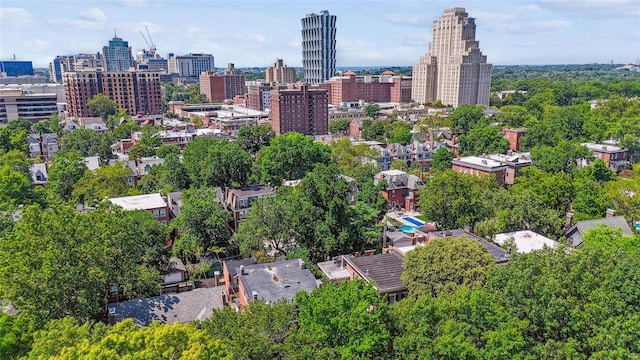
(602, 147)
(478, 161)
(253, 190)
(277, 280)
(333, 270)
(140, 202)
(525, 241)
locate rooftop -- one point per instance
(525, 241)
(232, 265)
(140, 202)
(182, 307)
(476, 161)
(575, 232)
(498, 253)
(333, 270)
(384, 269)
(253, 190)
(602, 147)
(277, 280)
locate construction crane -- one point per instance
(150, 44)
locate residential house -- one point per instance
(238, 201)
(177, 272)
(615, 157)
(231, 276)
(92, 162)
(514, 162)
(334, 270)
(524, 241)
(479, 166)
(175, 203)
(42, 145)
(383, 269)
(39, 174)
(141, 167)
(153, 203)
(401, 189)
(574, 231)
(70, 126)
(274, 281)
(355, 128)
(97, 127)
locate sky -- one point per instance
(369, 33)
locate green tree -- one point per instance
(13, 139)
(373, 130)
(59, 262)
(442, 159)
(124, 130)
(165, 150)
(268, 225)
(19, 124)
(346, 321)
(88, 143)
(349, 156)
(104, 182)
(15, 188)
(254, 138)
(371, 110)
(562, 157)
(465, 117)
(103, 106)
(140, 150)
(215, 162)
(483, 139)
(15, 336)
(453, 200)
(554, 190)
(340, 126)
(203, 225)
(17, 160)
(42, 126)
(66, 169)
(445, 264)
(290, 157)
(399, 132)
(514, 116)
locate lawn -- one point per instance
(421, 217)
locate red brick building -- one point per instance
(615, 157)
(371, 88)
(212, 86)
(301, 109)
(474, 165)
(514, 136)
(401, 189)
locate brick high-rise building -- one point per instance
(318, 47)
(212, 86)
(454, 70)
(138, 92)
(301, 109)
(371, 88)
(233, 82)
(401, 89)
(280, 73)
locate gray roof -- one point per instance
(175, 203)
(397, 179)
(574, 233)
(277, 280)
(384, 269)
(498, 253)
(232, 265)
(170, 308)
(41, 168)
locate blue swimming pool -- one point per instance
(414, 221)
(408, 229)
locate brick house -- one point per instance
(615, 157)
(514, 162)
(383, 269)
(153, 203)
(401, 189)
(514, 136)
(238, 201)
(355, 128)
(478, 166)
(230, 275)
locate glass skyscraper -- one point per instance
(117, 56)
(16, 67)
(318, 47)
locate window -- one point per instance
(155, 213)
(392, 298)
(163, 212)
(163, 222)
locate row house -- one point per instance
(153, 203)
(414, 152)
(239, 201)
(514, 162)
(141, 167)
(514, 136)
(42, 145)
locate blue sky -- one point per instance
(373, 32)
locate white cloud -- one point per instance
(421, 20)
(93, 14)
(593, 8)
(138, 3)
(75, 24)
(532, 7)
(537, 27)
(15, 17)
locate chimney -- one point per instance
(610, 213)
(255, 295)
(318, 283)
(112, 316)
(467, 229)
(241, 269)
(569, 220)
(224, 298)
(216, 277)
(301, 264)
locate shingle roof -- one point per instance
(574, 233)
(384, 269)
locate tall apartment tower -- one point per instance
(190, 65)
(280, 73)
(318, 47)
(117, 55)
(454, 70)
(233, 82)
(302, 110)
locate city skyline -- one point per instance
(373, 33)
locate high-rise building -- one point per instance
(64, 63)
(233, 82)
(386, 87)
(17, 103)
(117, 55)
(454, 70)
(280, 73)
(16, 67)
(318, 47)
(138, 92)
(212, 86)
(191, 65)
(302, 110)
